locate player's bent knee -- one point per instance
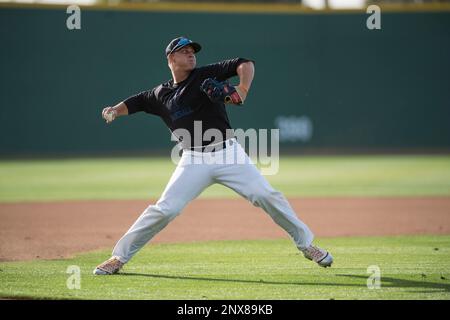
(260, 196)
(171, 210)
(166, 212)
(171, 214)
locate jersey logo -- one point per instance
(176, 109)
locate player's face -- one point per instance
(185, 58)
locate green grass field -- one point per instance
(410, 268)
(142, 178)
(414, 267)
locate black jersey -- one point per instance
(179, 105)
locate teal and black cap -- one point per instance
(180, 42)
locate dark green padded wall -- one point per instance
(360, 88)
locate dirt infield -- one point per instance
(60, 229)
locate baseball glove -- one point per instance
(221, 92)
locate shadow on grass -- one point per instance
(387, 282)
(236, 280)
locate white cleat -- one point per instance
(322, 257)
(109, 267)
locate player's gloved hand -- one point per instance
(223, 92)
(109, 114)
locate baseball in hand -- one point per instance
(110, 115)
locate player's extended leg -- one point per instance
(186, 183)
(246, 180)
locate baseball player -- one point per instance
(200, 94)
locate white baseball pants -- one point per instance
(194, 173)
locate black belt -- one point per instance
(213, 147)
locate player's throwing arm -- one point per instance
(111, 113)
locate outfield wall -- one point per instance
(324, 79)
